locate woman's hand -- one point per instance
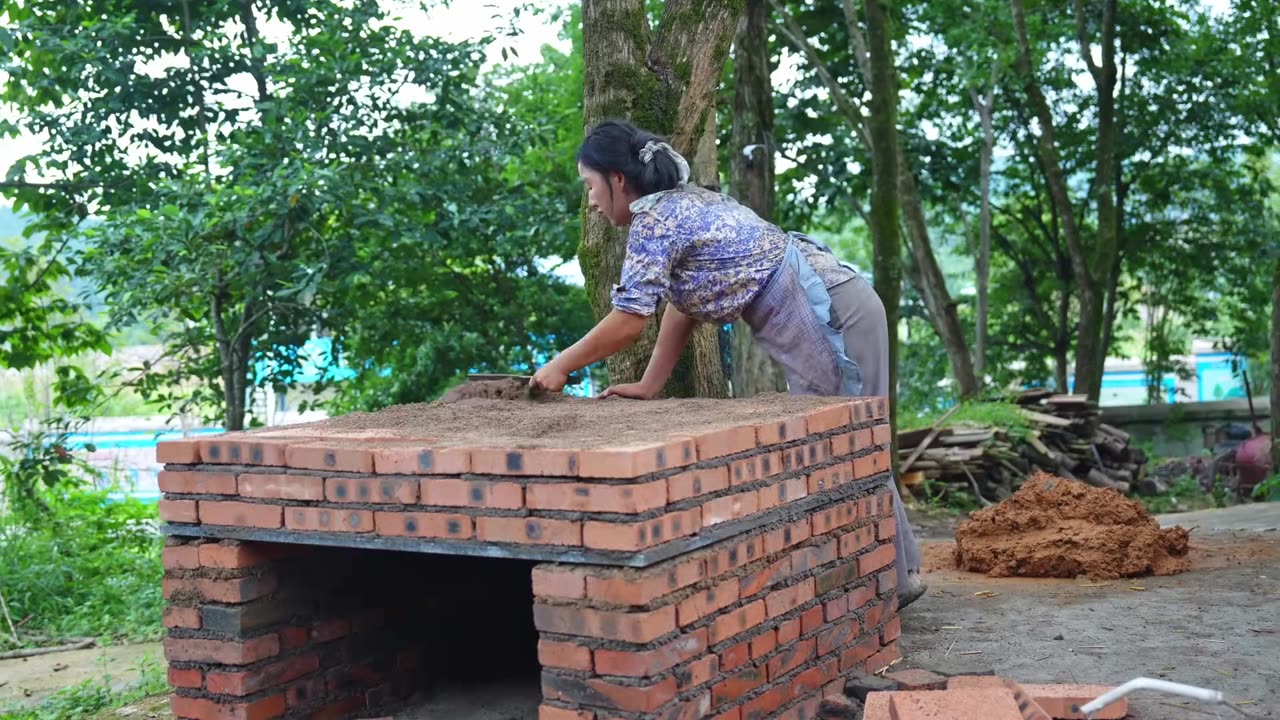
(549, 378)
(635, 391)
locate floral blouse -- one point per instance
(704, 253)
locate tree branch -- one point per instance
(1082, 35)
(850, 109)
(857, 39)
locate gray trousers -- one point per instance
(856, 311)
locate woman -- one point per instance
(715, 261)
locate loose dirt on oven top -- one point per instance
(557, 421)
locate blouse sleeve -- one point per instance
(646, 270)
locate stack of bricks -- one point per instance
(734, 572)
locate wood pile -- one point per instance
(1066, 438)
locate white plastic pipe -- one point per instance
(1164, 686)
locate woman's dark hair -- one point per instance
(615, 145)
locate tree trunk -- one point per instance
(887, 258)
(942, 309)
(1275, 367)
(1104, 256)
(752, 179)
(665, 84)
(982, 260)
(1089, 326)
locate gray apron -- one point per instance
(791, 319)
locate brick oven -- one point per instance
(500, 560)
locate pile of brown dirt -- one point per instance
(1053, 527)
(505, 389)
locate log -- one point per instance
(1052, 420)
(1097, 479)
(33, 652)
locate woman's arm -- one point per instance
(672, 338)
(616, 331)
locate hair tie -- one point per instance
(646, 156)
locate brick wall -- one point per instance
(760, 626)
(733, 573)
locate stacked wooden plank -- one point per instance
(1062, 434)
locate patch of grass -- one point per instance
(91, 697)
(1185, 495)
(85, 567)
(940, 497)
(1007, 416)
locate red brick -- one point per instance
(862, 439)
(180, 557)
(853, 542)
(559, 582)
(600, 692)
(734, 554)
(833, 610)
(730, 507)
(223, 652)
(180, 511)
(247, 682)
(452, 492)
(697, 482)
(916, 679)
(241, 514)
(420, 460)
(844, 444)
(814, 556)
(725, 441)
(707, 602)
(399, 491)
(881, 557)
(329, 520)
(737, 622)
(698, 672)
(891, 631)
(732, 714)
(807, 455)
(282, 487)
(225, 556)
(238, 448)
(529, 531)
(871, 465)
(811, 619)
(633, 461)
(192, 678)
(549, 712)
(340, 709)
(861, 596)
(633, 627)
(883, 659)
(552, 462)
(735, 656)
(881, 434)
(887, 580)
(788, 631)
(564, 655)
(828, 418)
(837, 577)
(781, 539)
(230, 590)
(594, 497)
(182, 617)
(835, 517)
(838, 635)
(880, 408)
(792, 428)
(197, 483)
(335, 456)
(650, 663)
(419, 524)
(1057, 700)
(331, 629)
(763, 644)
(783, 492)
(853, 657)
(781, 602)
(201, 709)
(179, 452)
(755, 468)
(637, 588)
(815, 678)
(737, 685)
(766, 578)
(885, 529)
(641, 534)
(292, 638)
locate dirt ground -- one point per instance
(29, 680)
(1216, 626)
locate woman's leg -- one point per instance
(857, 311)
